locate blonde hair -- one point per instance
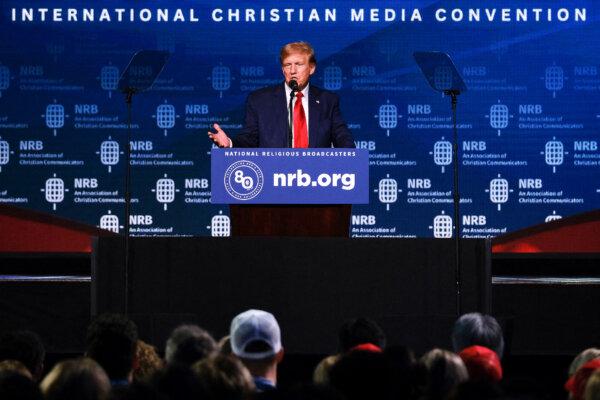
(81, 378)
(298, 47)
(224, 377)
(148, 362)
(15, 366)
(445, 371)
(592, 387)
(321, 373)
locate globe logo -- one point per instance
(243, 180)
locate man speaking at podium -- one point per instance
(316, 117)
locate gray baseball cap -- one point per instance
(255, 326)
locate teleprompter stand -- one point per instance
(141, 73)
(442, 76)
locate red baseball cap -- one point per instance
(576, 384)
(367, 347)
(482, 363)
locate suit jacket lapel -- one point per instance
(314, 111)
(280, 112)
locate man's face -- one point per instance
(296, 66)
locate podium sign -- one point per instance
(289, 176)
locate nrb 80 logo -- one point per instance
(244, 180)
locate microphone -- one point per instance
(293, 84)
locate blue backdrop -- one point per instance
(528, 124)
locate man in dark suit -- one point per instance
(317, 120)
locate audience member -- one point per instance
(189, 344)
(482, 364)
(147, 362)
(477, 390)
(15, 386)
(323, 369)
(224, 345)
(224, 378)
(77, 379)
(111, 341)
(592, 387)
(141, 391)
(477, 329)
(256, 341)
(26, 347)
(362, 332)
(312, 392)
(15, 366)
(445, 371)
(358, 331)
(403, 364)
(582, 358)
(178, 382)
(364, 374)
(576, 384)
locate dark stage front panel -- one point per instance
(58, 310)
(549, 302)
(311, 285)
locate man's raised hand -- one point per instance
(219, 137)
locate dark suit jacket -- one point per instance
(267, 121)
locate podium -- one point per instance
(290, 220)
(290, 192)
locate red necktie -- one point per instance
(300, 129)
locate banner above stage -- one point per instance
(290, 176)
